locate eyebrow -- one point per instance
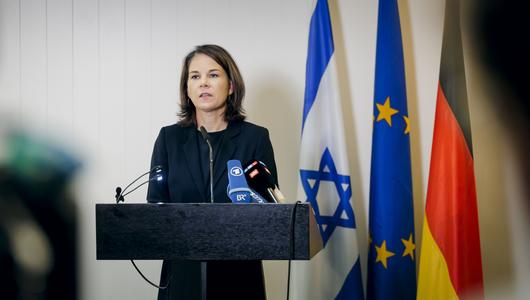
(211, 70)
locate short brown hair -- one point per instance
(234, 109)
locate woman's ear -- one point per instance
(231, 88)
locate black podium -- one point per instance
(205, 231)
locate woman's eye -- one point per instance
(214, 75)
(194, 76)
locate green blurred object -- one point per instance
(37, 163)
(38, 219)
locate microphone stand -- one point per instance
(204, 271)
(206, 136)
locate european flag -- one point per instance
(391, 258)
(335, 272)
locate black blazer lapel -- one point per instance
(192, 155)
(227, 150)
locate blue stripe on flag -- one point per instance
(320, 49)
(352, 289)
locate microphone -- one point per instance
(120, 196)
(260, 179)
(237, 189)
(206, 136)
(157, 175)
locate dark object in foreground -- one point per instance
(38, 220)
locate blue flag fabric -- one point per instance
(391, 257)
(334, 273)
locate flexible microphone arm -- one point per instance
(206, 136)
(156, 177)
(120, 193)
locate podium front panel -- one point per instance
(205, 231)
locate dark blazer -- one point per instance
(176, 150)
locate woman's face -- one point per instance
(208, 84)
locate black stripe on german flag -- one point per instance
(452, 71)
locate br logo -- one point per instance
(241, 197)
(236, 171)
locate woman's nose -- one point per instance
(204, 82)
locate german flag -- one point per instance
(450, 261)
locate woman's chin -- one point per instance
(209, 109)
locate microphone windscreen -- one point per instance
(259, 178)
(237, 189)
(257, 198)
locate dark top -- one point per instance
(204, 154)
(180, 151)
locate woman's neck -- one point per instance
(212, 122)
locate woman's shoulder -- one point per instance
(252, 128)
(176, 130)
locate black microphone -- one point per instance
(206, 136)
(157, 175)
(260, 179)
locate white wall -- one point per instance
(104, 74)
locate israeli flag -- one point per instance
(334, 273)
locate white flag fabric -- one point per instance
(334, 273)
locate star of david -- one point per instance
(343, 215)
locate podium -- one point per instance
(206, 231)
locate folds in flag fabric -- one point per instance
(391, 258)
(450, 261)
(334, 273)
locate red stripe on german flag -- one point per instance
(451, 208)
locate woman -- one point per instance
(211, 95)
